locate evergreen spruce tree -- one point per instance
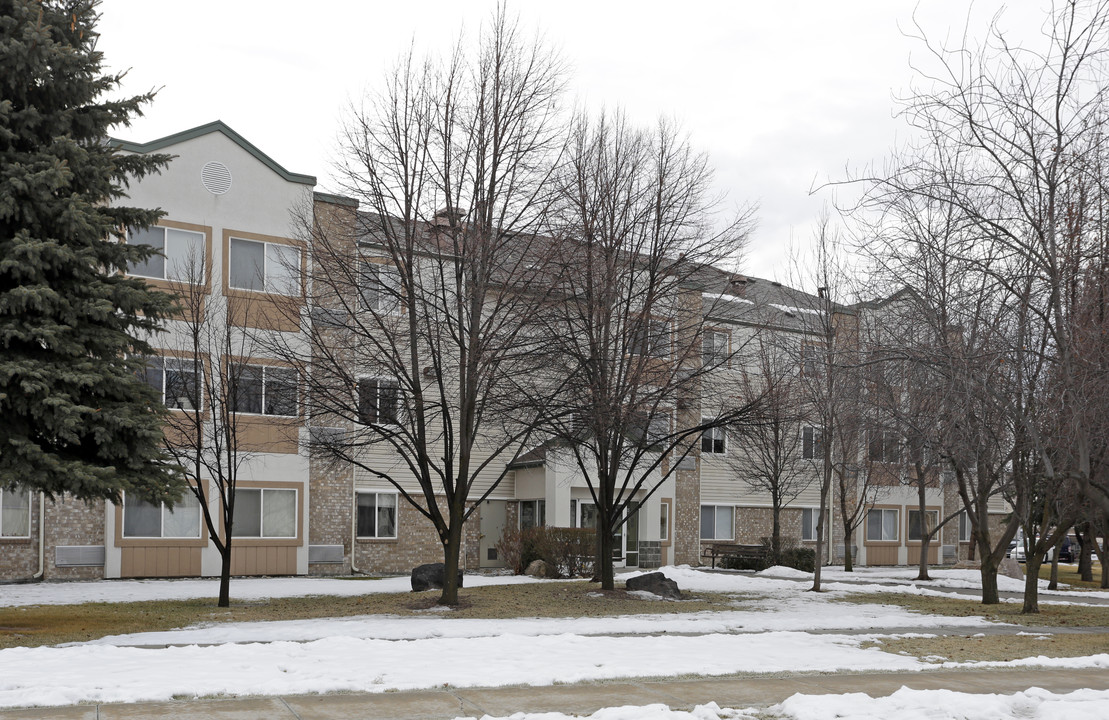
(74, 415)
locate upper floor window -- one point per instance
(264, 390)
(812, 443)
(714, 348)
(883, 445)
(147, 520)
(264, 266)
(378, 401)
(177, 380)
(380, 288)
(714, 441)
(181, 255)
(652, 338)
(811, 360)
(15, 513)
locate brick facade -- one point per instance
(329, 514)
(73, 522)
(685, 541)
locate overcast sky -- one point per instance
(784, 96)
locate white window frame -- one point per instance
(716, 521)
(816, 440)
(650, 340)
(161, 522)
(3, 534)
(664, 522)
(398, 409)
(262, 514)
(909, 523)
(809, 519)
(267, 286)
(896, 525)
(183, 364)
(713, 435)
(166, 258)
(377, 505)
(964, 527)
(539, 521)
(712, 355)
(237, 373)
(386, 289)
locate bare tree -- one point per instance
(637, 246)
(776, 455)
(419, 343)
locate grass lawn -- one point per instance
(1068, 573)
(1050, 616)
(968, 648)
(35, 625)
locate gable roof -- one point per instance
(201, 130)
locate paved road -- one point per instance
(731, 691)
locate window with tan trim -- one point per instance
(142, 519)
(881, 525)
(265, 513)
(264, 267)
(180, 254)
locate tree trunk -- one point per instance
(925, 544)
(225, 575)
(1085, 562)
(452, 551)
(604, 552)
(1054, 583)
(988, 571)
(848, 560)
(776, 534)
(1031, 584)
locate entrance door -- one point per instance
(625, 545)
(493, 513)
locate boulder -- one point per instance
(426, 577)
(1010, 568)
(541, 569)
(655, 583)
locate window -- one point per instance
(533, 513)
(714, 348)
(378, 402)
(884, 445)
(380, 288)
(964, 527)
(811, 361)
(717, 522)
(664, 522)
(812, 443)
(377, 515)
(931, 518)
(15, 513)
(265, 513)
(176, 382)
(809, 517)
(714, 440)
(263, 266)
(264, 390)
(652, 338)
(147, 520)
(181, 254)
(881, 525)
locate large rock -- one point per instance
(426, 577)
(1010, 568)
(655, 583)
(541, 569)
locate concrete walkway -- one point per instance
(730, 691)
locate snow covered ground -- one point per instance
(779, 628)
(905, 704)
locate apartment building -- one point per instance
(232, 239)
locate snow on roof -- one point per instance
(791, 310)
(725, 297)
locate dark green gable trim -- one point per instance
(217, 126)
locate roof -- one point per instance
(758, 301)
(213, 127)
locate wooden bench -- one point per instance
(733, 550)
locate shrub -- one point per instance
(801, 558)
(569, 550)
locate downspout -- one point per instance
(42, 538)
(353, 520)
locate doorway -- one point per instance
(493, 515)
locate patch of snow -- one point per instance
(726, 298)
(791, 310)
(781, 571)
(906, 704)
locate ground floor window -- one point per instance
(533, 513)
(964, 527)
(377, 515)
(809, 517)
(931, 518)
(881, 525)
(664, 522)
(265, 513)
(717, 522)
(15, 513)
(148, 520)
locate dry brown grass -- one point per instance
(52, 624)
(966, 648)
(1049, 615)
(1068, 573)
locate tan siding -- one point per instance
(159, 561)
(882, 554)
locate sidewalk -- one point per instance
(732, 691)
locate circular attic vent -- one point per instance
(216, 178)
